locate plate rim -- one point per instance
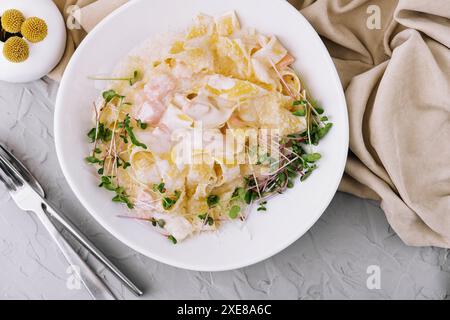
(173, 262)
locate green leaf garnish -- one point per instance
(212, 200)
(104, 134)
(316, 107)
(172, 238)
(299, 103)
(250, 195)
(126, 124)
(136, 77)
(209, 220)
(299, 113)
(111, 95)
(234, 212)
(160, 223)
(141, 124)
(262, 206)
(308, 173)
(169, 202)
(290, 184)
(317, 133)
(93, 160)
(238, 194)
(312, 157)
(107, 184)
(159, 187)
(324, 130)
(122, 197)
(124, 138)
(126, 164)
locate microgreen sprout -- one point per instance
(131, 80)
(93, 160)
(234, 212)
(126, 124)
(238, 194)
(173, 239)
(206, 218)
(212, 200)
(157, 222)
(101, 133)
(159, 188)
(110, 95)
(141, 124)
(262, 206)
(121, 196)
(169, 202)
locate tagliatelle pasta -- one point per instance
(196, 129)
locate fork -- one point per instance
(29, 196)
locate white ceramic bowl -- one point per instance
(44, 55)
(289, 215)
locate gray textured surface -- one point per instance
(329, 262)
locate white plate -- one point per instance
(289, 215)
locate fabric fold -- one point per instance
(398, 96)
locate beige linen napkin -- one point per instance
(393, 58)
(397, 84)
(81, 16)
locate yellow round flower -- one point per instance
(34, 29)
(12, 20)
(16, 50)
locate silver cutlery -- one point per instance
(29, 195)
